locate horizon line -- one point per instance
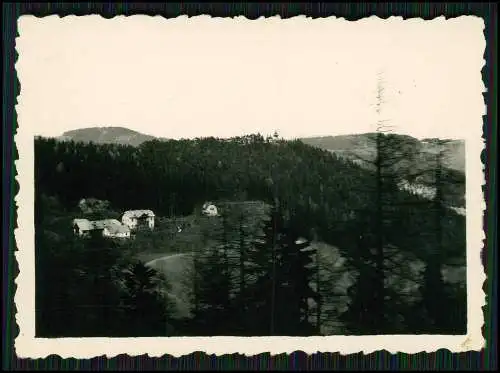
(248, 134)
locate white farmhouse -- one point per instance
(114, 229)
(209, 209)
(139, 218)
(82, 227)
(107, 228)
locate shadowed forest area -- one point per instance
(306, 242)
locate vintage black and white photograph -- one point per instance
(201, 177)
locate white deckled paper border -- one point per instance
(27, 346)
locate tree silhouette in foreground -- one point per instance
(444, 306)
(371, 310)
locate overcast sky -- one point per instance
(224, 77)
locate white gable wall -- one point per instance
(107, 233)
(131, 221)
(151, 222)
(210, 210)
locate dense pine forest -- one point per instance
(306, 242)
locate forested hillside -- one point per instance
(257, 269)
(359, 148)
(416, 169)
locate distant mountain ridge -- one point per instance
(107, 135)
(360, 145)
(348, 146)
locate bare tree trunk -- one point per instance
(273, 286)
(318, 291)
(379, 214)
(438, 200)
(273, 275)
(242, 257)
(225, 256)
(435, 263)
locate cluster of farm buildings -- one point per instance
(131, 221)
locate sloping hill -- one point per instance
(107, 135)
(350, 147)
(177, 270)
(361, 149)
(345, 145)
(361, 145)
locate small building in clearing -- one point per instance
(82, 227)
(114, 229)
(134, 219)
(111, 228)
(209, 209)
